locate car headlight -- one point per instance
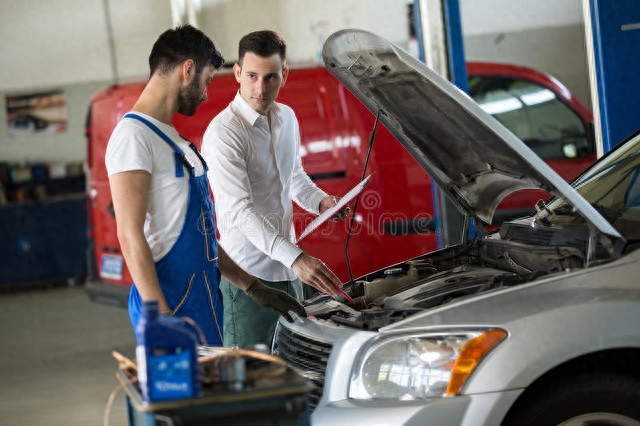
(409, 367)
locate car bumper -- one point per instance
(466, 410)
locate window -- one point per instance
(535, 114)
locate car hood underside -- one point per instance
(473, 157)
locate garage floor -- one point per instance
(56, 366)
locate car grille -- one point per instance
(308, 356)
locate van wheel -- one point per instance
(581, 400)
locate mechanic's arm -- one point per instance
(262, 294)
(129, 191)
(232, 272)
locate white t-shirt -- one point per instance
(134, 146)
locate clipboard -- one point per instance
(322, 218)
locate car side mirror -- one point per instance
(576, 142)
(569, 150)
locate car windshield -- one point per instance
(611, 186)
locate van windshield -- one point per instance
(534, 114)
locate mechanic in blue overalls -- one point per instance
(164, 213)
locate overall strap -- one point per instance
(181, 159)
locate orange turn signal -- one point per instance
(470, 356)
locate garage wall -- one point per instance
(67, 147)
(61, 42)
(545, 35)
(64, 44)
(558, 51)
(304, 24)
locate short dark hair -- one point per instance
(263, 43)
(175, 46)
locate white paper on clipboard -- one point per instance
(353, 193)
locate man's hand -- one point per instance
(315, 273)
(274, 299)
(329, 201)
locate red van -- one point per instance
(335, 131)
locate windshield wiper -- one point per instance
(565, 210)
(607, 212)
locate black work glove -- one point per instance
(274, 299)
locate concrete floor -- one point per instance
(56, 366)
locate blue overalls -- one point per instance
(189, 274)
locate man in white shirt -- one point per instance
(160, 192)
(252, 148)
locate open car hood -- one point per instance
(473, 157)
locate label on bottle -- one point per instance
(170, 375)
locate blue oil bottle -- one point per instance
(166, 355)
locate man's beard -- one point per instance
(189, 99)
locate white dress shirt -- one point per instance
(255, 174)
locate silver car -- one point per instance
(536, 323)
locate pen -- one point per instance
(342, 292)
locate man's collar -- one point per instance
(250, 114)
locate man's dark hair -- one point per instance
(263, 43)
(175, 46)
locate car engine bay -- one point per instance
(518, 253)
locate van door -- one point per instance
(312, 98)
(107, 108)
